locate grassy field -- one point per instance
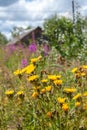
(40, 90)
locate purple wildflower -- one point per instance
(24, 63)
(11, 47)
(33, 48)
(46, 49)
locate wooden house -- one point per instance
(32, 35)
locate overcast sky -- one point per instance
(33, 12)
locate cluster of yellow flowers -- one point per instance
(80, 71)
(56, 79)
(69, 90)
(42, 91)
(61, 100)
(10, 93)
(33, 77)
(28, 69)
(47, 84)
(77, 98)
(63, 104)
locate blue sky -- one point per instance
(34, 12)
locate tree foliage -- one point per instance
(17, 31)
(66, 36)
(3, 39)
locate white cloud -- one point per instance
(84, 7)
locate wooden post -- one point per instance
(73, 10)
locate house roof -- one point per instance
(16, 39)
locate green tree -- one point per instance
(3, 39)
(64, 35)
(17, 31)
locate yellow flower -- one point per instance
(43, 91)
(52, 77)
(84, 66)
(77, 96)
(61, 100)
(65, 107)
(30, 68)
(58, 82)
(32, 78)
(48, 88)
(20, 93)
(74, 70)
(9, 92)
(83, 74)
(24, 69)
(17, 72)
(34, 60)
(69, 90)
(85, 94)
(79, 74)
(35, 94)
(44, 80)
(77, 104)
(49, 114)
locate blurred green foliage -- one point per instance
(68, 38)
(3, 39)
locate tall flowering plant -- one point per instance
(33, 47)
(24, 62)
(46, 49)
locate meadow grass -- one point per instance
(48, 93)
